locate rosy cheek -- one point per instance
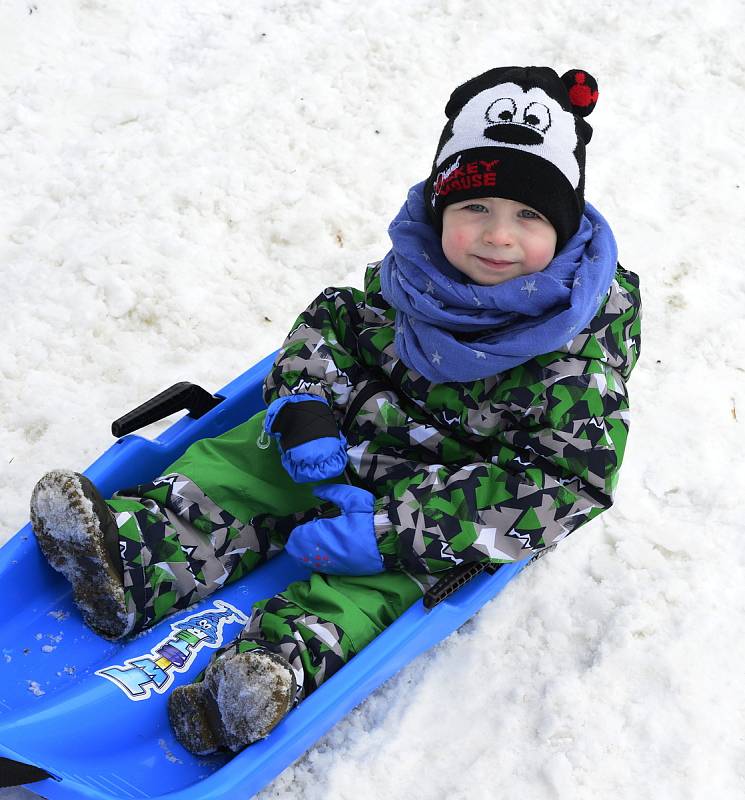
(458, 240)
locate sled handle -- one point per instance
(459, 576)
(453, 579)
(180, 396)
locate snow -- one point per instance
(178, 179)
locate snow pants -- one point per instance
(222, 509)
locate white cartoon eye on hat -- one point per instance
(507, 124)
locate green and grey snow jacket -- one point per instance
(495, 470)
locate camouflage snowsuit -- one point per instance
(494, 470)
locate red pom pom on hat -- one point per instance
(583, 91)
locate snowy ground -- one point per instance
(178, 179)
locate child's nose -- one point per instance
(498, 232)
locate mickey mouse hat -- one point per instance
(517, 133)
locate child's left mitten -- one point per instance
(310, 444)
(343, 544)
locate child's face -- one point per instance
(492, 240)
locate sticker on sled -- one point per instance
(155, 671)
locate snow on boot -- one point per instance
(78, 535)
(239, 701)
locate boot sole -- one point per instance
(71, 537)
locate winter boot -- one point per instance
(239, 701)
(78, 535)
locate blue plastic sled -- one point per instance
(92, 714)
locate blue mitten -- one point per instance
(341, 545)
(310, 444)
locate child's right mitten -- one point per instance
(310, 444)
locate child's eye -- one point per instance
(528, 213)
(478, 207)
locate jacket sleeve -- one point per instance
(319, 354)
(553, 468)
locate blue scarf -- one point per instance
(452, 330)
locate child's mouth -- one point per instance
(495, 264)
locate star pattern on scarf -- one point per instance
(430, 287)
(594, 257)
(529, 287)
(480, 353)
(425, 256)
(436, 357)
(576, 282)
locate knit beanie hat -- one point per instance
(517, 133)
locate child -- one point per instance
(468, 406)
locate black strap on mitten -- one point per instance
(273, 526)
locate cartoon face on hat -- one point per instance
(530, 120)
(518, 133)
